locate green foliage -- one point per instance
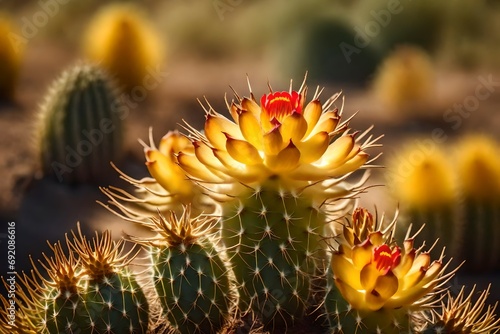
(80, 129)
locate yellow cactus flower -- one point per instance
(374, 273)
(479, 167)
(282, 139)
(168, 189)
(421, 178)
(124, 43)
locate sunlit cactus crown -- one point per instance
(463, 314)
(298, 145)
(102, 256)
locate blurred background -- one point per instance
(425, 73)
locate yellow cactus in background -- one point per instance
(10, 59)
(405, 81)
(122, 40)
(479, 167)
(421, 178)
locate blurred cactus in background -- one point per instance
(422, 182)
(405, 83)
(122, 40)
(478, 177)
(326, 48)
(11, 53)
(80, 128)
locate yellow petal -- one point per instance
(327, 122)
(251, 106)
(206, 156)
(362, 255)
(242, 151)
(312, 113)
(286, 160)
(314, 148)
(216, 126)
(405, 265)
(351, 295)
(385, 287)
(339, 150)
(192, 166)
(350, 166)
(251, 129)
(174, 142)
(423, 260)
(368, 276)
(168, 174)
(242, 172)
(345, 271)
(294, 127)
(265, 122)
(273, 142)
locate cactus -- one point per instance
(121, 39)
(277, 171)
(190, 274)
(479, 182)
(325, 47)
(422, 181)
(405, 82)
(460, 314)
(80, 127)
(10, 59)
(90, 289)
(380, 288)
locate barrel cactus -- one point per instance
(123, 41)
(80, 128)
(88, 289)
(190, 274)
(277, 170)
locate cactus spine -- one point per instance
(190, 274)
(10, 59)
(80, 129)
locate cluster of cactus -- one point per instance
(122, 41)
(405, 81)
(10, 58)
(460, 205)
(80, 128)
(273, 246)
(89, 288)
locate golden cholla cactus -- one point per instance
(168, 189)
(405, 81)
(122, 40)
(460, 314)
(380, 284)
(479, 167)
(299, 146)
